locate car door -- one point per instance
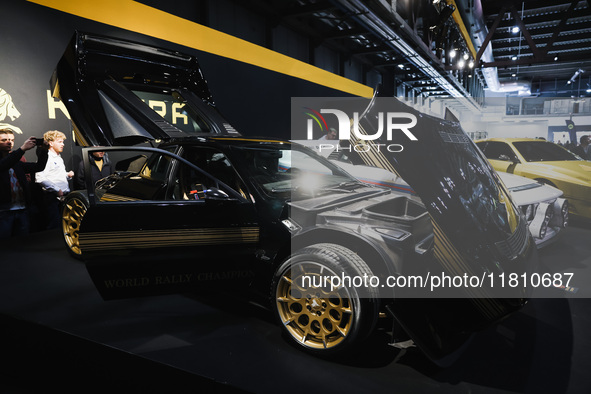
(162, 224)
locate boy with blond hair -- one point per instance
(54, 178)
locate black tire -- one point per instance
(73, 211)
(322, 319)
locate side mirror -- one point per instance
(214, 192)
(512, 159)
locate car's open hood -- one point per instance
(98, 80)
(477, 228)
(462, 192)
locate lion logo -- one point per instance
(8, 109)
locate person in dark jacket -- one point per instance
(584, 149)
(15, 193)
(100, 167)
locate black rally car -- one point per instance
(209, 208)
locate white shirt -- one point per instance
(54, 177)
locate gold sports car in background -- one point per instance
(545, 162)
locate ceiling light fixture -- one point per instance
(576, 74)
(461, 63)
(370, 21)
(466, 56)
(515, 29)
(452, 54)
(471, 64)
(513, 57)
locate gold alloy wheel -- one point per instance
(317, 315)
(73, 212)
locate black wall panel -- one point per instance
(256, 101)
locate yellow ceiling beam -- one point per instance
(140, 18)
(463, 31)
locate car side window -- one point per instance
(218, 165)
(156, 168)
(139, 176)
(498, 151)
(482, 146)
(189, 184)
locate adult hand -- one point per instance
(30, 143)
(70, 174)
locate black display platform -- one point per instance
(57, 333)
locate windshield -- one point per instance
(281, 170)
(543, 151)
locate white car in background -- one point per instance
(543, 206)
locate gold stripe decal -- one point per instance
(160, 238)
(454, 263)
(373, 157)
(115, 197)
(140, 18)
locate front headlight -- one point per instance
(560, 217)
(529, 211)
(539, 224)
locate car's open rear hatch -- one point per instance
(123, 93)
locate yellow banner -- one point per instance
(139, 18)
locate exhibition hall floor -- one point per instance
(58, 335)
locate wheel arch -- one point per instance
(374, 256)
(82, 194)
